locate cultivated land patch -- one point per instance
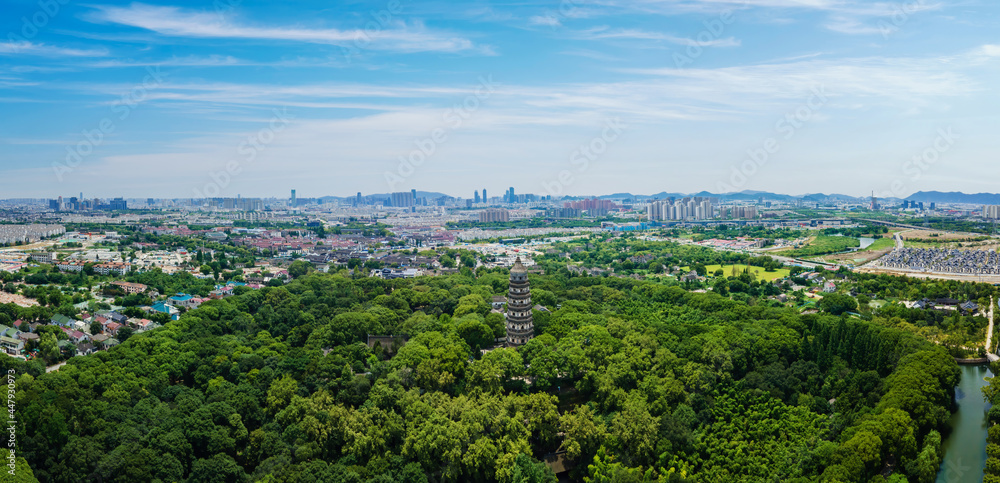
(762, 274)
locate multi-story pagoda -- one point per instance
(520, 327)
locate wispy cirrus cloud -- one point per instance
(178, 22)
(652, 95)
(604, 32)
(45, 50)
(853, 17)
(545, 20)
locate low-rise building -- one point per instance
(130, 288)
(11, 345)
(497, 301)
(43, 257)
(185, 300)
(70, 266)
(165, 308)
(389, 273)
(116, 268)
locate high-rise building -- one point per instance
(413, 196)
(485, 199)
(593, 206)
(292, 203)
(511, 197)
(477, 197)
(739, 212)
(403, 199)
(494, 215)
(697, 208)
(520, 326)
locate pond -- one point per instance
(865, 242)
(965, 448)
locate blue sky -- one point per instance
(574, 97)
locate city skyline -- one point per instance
(747, 195)
(579, 97)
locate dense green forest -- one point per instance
(632, 380)
(991, 393)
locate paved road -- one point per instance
(989, 335)
(55, 367)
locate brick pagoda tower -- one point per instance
(520, 327)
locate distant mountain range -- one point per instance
(955, 197)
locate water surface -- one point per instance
(965, 448)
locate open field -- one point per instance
(761, 273)
(938, 235)
(880, 244)
(9, 298)
(948, 240)
(873, 252)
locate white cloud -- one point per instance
(44, 50)
(545, 20)
(599, 33)
(652, 95)
(176, 22)
(852, 26)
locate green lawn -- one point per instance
(880, 244)
(877, 304)
(823, 245)
(761, 274)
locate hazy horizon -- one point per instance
(170, 100)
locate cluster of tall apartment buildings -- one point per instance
(404, 199)
(738, 212)
(493, 215)
(696, 208)
(244, 204)
(991, 212)
(78, 204)
(690, 208)
(593, 206)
